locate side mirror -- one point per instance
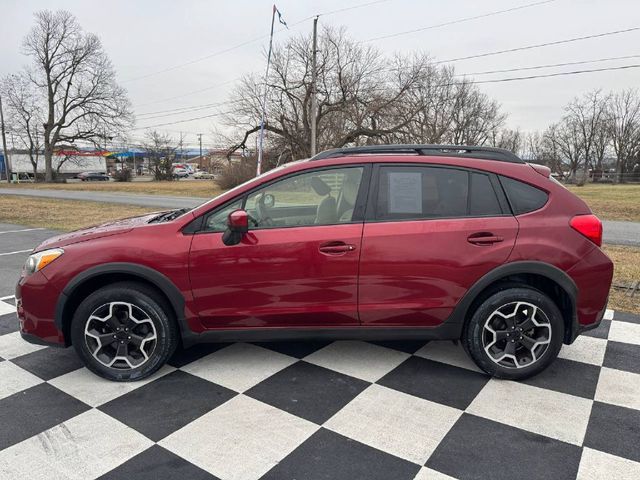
(237, 226)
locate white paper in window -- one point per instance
(405, 192)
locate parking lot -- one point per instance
(316, 410)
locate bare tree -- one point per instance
(564, 140)
(160, 149)
(24, 114)
(506, 138)
(363, 98)
(82, 100)
(623, 125)
(586, 115)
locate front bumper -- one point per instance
(35, 305)
(28, 337)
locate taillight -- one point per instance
(588, 225)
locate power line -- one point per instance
(460, 20)
(473, 82)
(182, 95)
(248, 42)
(194, 108)
(558, 74)
(539, 45)
(486, 54)
(217, 114)
(548, 65)
(189, 109)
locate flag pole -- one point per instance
(264, 97)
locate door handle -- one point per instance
(336, 248)
(484, 238)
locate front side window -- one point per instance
(323, 197)
(217, 221)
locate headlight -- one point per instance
(39, 260)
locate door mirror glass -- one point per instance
(237, 226)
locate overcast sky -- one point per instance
(146, 36)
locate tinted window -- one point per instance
(322, 197)
(421, 192)
(523, 198)
(483, 201)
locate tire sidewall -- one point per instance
(474, 329)
(165, 330)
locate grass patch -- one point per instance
(611, 202)
(180, 188)
(627, 269)
(63, 215)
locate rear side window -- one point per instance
(482, 197)
(523, 197)
(417, 192)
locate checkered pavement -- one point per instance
(323, 410)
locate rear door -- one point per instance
(430, 233)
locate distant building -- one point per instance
(72, 165)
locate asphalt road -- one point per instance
(155, 201)
(621, 233)
(16, 242)
(615, 233)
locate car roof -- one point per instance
(463, 151)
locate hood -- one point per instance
(104, 230)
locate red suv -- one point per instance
(381, 242)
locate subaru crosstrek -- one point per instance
(382, 242)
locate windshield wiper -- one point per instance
(168, 216)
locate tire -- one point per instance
(498, 337)
(148, 337)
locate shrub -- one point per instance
(122, 175)
(235, 173)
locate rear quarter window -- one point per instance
(523, 197)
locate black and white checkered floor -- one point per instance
(341, 410)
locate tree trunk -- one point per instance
(48, 159)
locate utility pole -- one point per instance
(263, 118)
(200, 141)
(7, 162)
(314, 105)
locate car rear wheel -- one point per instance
(124, 331)
(515, 333)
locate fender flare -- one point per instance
(159, 280)
(459, 314)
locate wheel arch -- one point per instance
(96, 277)
(543, 276)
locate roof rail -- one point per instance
(487, 153)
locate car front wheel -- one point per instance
(515, 333)
(124, 332)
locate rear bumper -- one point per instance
(593, 276)
(582, 328)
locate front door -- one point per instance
(298, 264)
(433, 232)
